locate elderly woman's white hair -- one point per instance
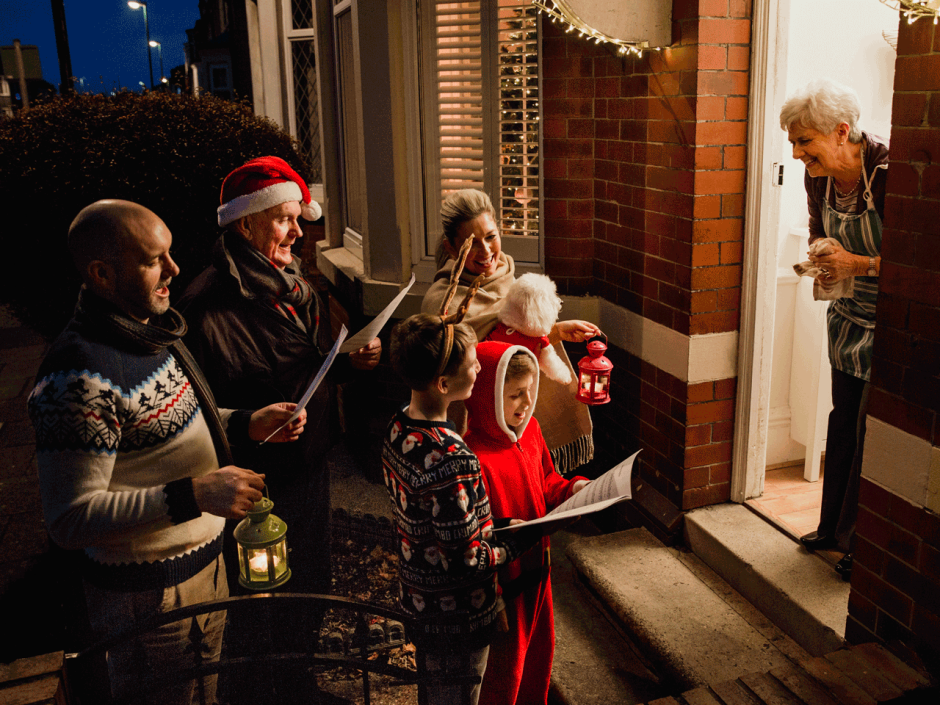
(823, 105)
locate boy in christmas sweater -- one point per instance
(447, 551)
(522, 483)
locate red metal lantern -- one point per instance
(594, 381)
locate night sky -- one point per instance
(107, 41)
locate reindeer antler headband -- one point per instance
(449, 321)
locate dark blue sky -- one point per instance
(106, 38)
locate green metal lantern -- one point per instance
(262, 548)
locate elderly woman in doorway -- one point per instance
(469, 213)
(846, 171)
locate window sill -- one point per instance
(366, 296)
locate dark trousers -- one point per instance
(845, 443)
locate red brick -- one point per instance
(712, 58)
(713, 8)
(710, 107)
(917, 73)
(726, 181)
(903, 180)
(722, 277)
(732, 252)
(911, 283)
(716, 230)
(729, 299)
(933, 111)
(702, 391)
(739, 58)
(930, 178)
(736, 109)
(914, 38)
(710, 412)
(705, 496)
(732, 205)
(909, 109)
(724, 31)
(729, 83)
(735, 157)
(721, 133)
(705, 255)
(707, 455)
(706, 207)
(725, 388)
(554, 127)
(674, 58)
(716, 322)
(740, 8)
(916, 144)
(708, 157)
(703, 301)
(723, 431)
(698, 435)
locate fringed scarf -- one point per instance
(285, 290)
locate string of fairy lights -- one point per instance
(913, 10)
(560, 11)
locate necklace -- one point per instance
(850, 191)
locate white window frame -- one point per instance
(290, 36)
(425, 202)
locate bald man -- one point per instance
(134, 457)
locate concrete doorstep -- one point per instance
(799, 591)
(686, 620)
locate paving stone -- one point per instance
(802, 686)
(842, 688)
(890, 666)
(768, 689)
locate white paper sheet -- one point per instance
(609, 489)
(368, 334)
(324, 368)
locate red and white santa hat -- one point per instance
(261, 184)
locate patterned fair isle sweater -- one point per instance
(118, 434)
(447, 551)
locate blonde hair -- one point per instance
(823, 105)
(458, 208)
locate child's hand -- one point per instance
(580, 485)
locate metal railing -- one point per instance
(352, 649)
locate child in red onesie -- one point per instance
(522, 483)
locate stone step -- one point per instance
(684, 618)
(866, 674)
(798, 591)
(595, 663)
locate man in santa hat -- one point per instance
(254, 323)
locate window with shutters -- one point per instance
(479, 95)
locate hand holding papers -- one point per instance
(609, 489)
(316, 381)
(367, 334)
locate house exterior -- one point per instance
(640, 185)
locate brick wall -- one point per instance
(644, 201)
(896, 582)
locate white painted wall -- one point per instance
(841, 40)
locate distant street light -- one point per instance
(138, 5)
(159, 47)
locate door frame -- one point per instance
(768, 73)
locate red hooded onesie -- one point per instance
(522, 484)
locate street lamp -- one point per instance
(138, 5)
(159, 47)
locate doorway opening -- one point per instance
(784, 397)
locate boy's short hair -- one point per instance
(416, 349)
(520, 364)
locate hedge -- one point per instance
(167, 152)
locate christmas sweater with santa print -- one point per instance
(447, 551)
